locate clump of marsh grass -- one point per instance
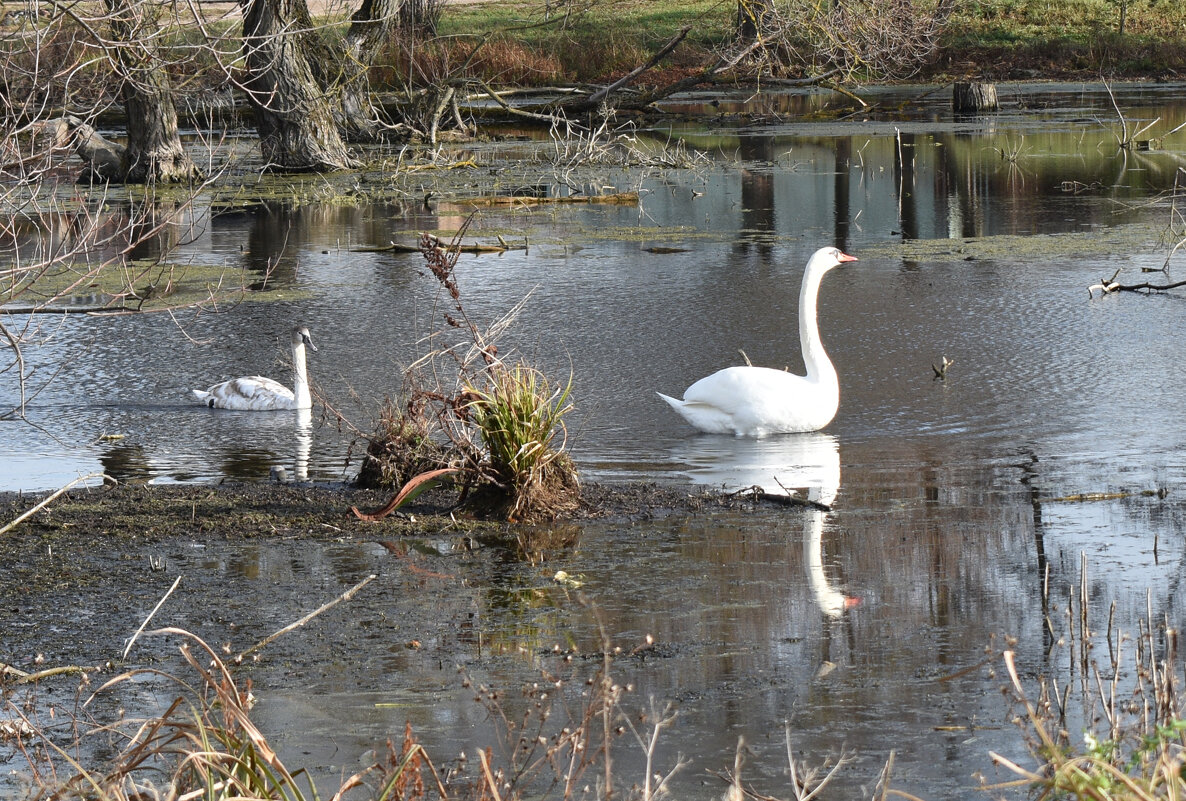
(520, 415)
(402, 446)
(494, 422)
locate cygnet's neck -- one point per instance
(819, 366)
(300, 377)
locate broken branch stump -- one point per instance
(973, 96)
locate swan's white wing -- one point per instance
(252, 393)
(702, 416)
(756, 401)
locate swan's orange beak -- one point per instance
(843, 257)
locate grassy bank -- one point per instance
(1002, 39)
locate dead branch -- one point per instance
(1106, 286)
(50, 499)
(617, 199)
(706, 75)
(756, 493)
(835, 87)
(593, 100)
(1147, 287)
(346, 596)
(809, 81)
(400, 247)
(518, 112)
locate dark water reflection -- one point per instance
(944, 526)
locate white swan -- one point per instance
(256, 393)
(755, 401)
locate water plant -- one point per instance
(1129, 710)
(202, 745)
(494, 421)
(520, 415)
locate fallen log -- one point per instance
(489, 201)
(104, 159)
(400, 247)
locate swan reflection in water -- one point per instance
(302, 424)
(780, 465)
(831, 601)
(279, 444)
(304, 443)
(800, 465)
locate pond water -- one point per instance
(977, 239)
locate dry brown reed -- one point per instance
(1127, 704)
(202, 745)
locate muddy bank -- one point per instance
(80, 575)
(443, 594)
(139, 513)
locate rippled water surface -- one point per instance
(977, 240)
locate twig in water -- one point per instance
(346, 596)
(160, 603)
(28, 678)
(46, 501)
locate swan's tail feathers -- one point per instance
(203, 396)
(675, 404)
(703, 416)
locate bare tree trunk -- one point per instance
(154, 150)
(295, 120)
(749, 18)
(370, 27)
(343, 71)
(974, 96)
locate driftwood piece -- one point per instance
(1142, 287)
(400, 247)
(1109, 285)
(490, 201)
(974, 97)
(414, 486)
(104, 159)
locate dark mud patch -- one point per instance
(79, 576)
(448, 594)
(153, 513)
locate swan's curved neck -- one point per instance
(300, 377)
(819, 366)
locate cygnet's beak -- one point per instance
(843, 257)
(309, 341)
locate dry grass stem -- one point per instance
(346, 596)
